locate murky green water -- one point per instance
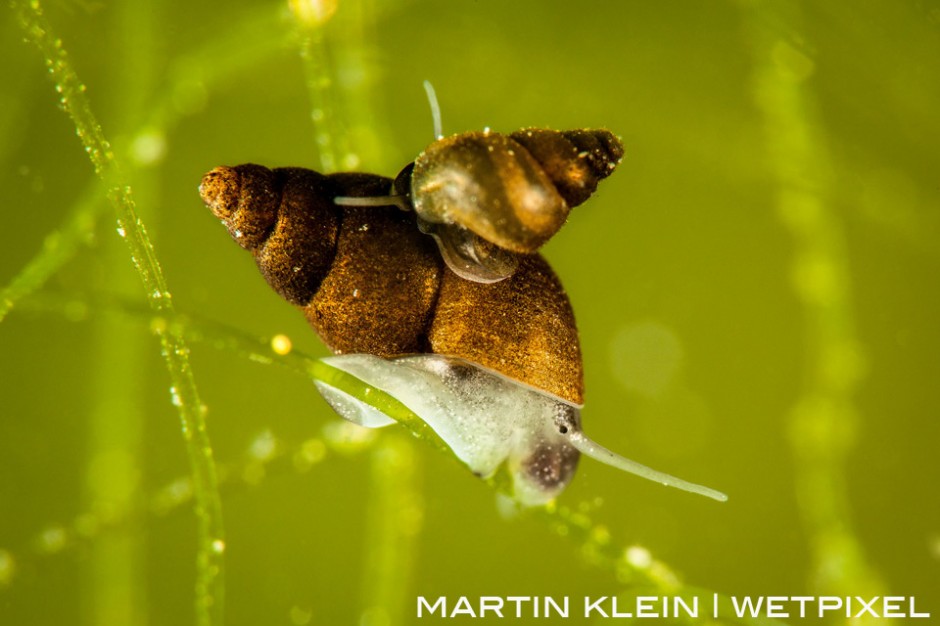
(755, 287)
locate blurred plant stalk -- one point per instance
(823, 422)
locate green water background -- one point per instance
(755, 287)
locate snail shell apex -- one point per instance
(575, 160)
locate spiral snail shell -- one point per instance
(494, 368)
(487, 197)
(369, 282)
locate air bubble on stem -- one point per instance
(639, 557)
(175, 397)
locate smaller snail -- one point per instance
(487, 197)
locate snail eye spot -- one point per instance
(563, 430)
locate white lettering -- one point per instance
(802, 600)
(829, 603)
(639, 607)
(423, 604)
(561, 611)
(892, 606)
(747, 606)
(866, 606)
(518, 600)
(679, 601)
(913, 612)
(491, 603)
(644, 606)
(463, 608)
(615, 610)
(775, 606)
(590, 607)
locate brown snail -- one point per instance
(494, 368)
(487, 197)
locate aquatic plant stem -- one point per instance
(823, 422)
(58, 248)
(320, 87)
(394, 520)
(208, 510)
(191, 76)
(115, 589)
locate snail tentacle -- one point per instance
(374, 201)
(588, 447)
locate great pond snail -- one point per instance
(494, 366)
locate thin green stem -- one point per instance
(58, 248)
(394, 521)
(321, 87)
(354, 29)
(114, 574)
(190, 77)
(823, 422)
(209, 579)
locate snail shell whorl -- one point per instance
(285, 217)
(491, 185)
(575, 160)
(379, 296)
(522, 327)
(245, 198)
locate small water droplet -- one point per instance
(149, 147)
(218, 546)
(175, 397)
(263, 447)
(638, 557)
(311, 452)
(281, 344)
